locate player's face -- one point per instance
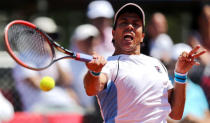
(128, 34)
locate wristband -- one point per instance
(180, 78)
(94, 73)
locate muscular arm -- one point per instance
(93, 85)
(176, 98)
(178, 94)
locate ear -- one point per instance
(113, 40)
(142, 37)
(113, 33)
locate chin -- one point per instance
(127, 50)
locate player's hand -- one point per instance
(187, 60)
(97, 63)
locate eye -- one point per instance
(136, 25)
(123, 23)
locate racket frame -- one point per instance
(9, 49)
(70, 54)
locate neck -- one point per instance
(118, 52)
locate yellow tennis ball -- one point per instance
(47, 83)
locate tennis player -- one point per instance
(132, 87)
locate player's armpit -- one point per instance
(170, 94)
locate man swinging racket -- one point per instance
(132, 87)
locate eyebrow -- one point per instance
(134, 19)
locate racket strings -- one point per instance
(30, 46)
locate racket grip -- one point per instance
(83, 57)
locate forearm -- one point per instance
(177, 96)
(94, 80)
(94, 84)
(177, 100)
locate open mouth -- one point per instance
(128, 38)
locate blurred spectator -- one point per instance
(100, 14)
(6, 109)
(47, 25)
(83, 40)
(193, 119)
(160, 43)
(201, 36)
(59, 99)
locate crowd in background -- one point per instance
(96, 36)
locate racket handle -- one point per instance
(83, 57)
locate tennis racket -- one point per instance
(34, 49)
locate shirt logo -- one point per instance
(158, 69)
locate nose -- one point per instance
(130, 27)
